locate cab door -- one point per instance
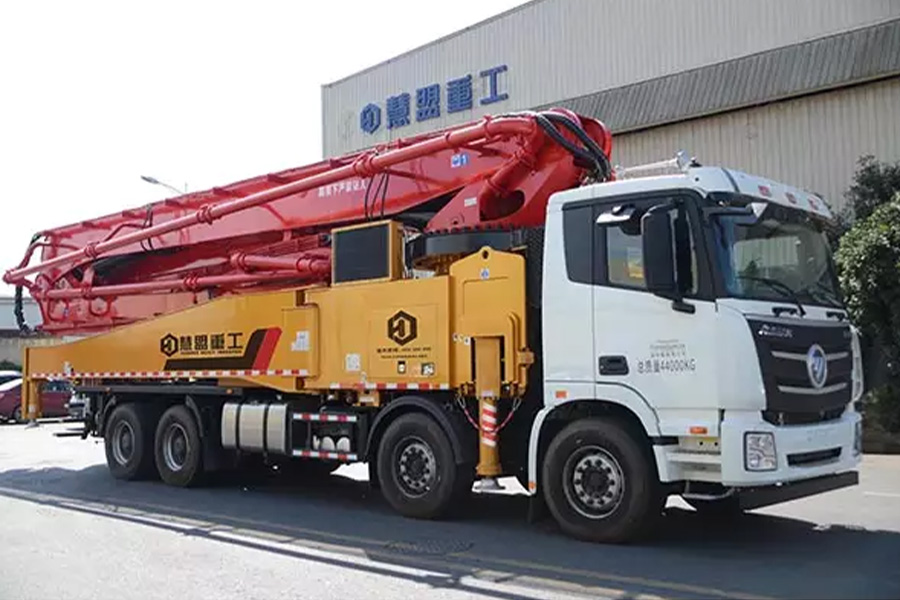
(659, 348)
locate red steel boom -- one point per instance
(272, 231)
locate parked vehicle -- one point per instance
(55, 395)
(9, 376)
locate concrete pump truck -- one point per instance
(490, 300)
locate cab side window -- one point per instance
(609, 252)
(625, 252)
(625, 257)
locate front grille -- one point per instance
(782, 346)
(807, 459)
(801, 418)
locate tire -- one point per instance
(128, 440)
(179, 448)
(720, 510)
(417, 471)
(16, 416)
(621, 501)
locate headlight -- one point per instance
(857, 439)
(857, 371)
(759, 452)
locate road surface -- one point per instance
(71, 531)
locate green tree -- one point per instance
(869, 268)
(874, 184)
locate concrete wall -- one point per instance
(11, 348)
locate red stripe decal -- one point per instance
(267, 348)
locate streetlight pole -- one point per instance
(156, 181)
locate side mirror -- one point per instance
(659, 259)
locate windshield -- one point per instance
(782, 255)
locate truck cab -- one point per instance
(705, 304)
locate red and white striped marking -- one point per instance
(342, 456)
(390, 386)
(173, 374)
(330, 418)
(488, 422)
(424, 386)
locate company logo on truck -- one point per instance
(402, 328)
(168, 345)
(219, 351)
(817, 366)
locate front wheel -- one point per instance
(599, 483)
(179, 452)
(417, 471)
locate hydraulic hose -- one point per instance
(19, 311)
(592, 146)
(597, 159)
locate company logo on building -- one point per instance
(456, 95)
(402, 328)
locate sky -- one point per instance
(94, 94)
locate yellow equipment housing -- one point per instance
(390, 333)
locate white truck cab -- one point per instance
(705, 304)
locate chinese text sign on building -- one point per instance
(456, 96)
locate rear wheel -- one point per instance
(417, 471)
(17, 415)
(179, 453)
(129, 442)
(599, 484)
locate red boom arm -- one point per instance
(271, 231)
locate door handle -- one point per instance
(613, 365)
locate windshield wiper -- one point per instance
(778, 286)
(825, 291)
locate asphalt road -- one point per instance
(68, 530)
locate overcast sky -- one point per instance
(94, 94)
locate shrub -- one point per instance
(869, 269)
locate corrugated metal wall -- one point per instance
(560, 49)
(812, 142)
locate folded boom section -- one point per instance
(273, 231)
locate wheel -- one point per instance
(417, 471)
(129, 442)
(599, 483)
(178, 448)
(16, 415)
(723, 509)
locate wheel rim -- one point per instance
(593, 482)
(175, 447)
(415, 467)
(123, 442)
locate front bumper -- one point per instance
(803, 452)
(758, 497)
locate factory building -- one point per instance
(796, 91)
